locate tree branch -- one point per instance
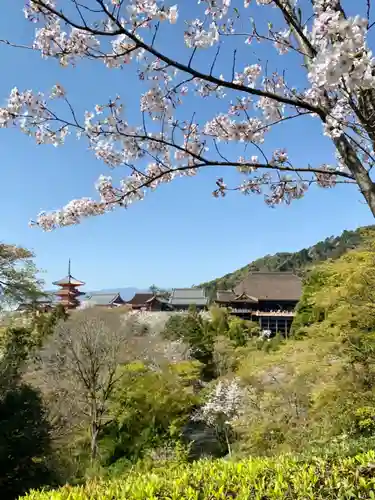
(171, 62)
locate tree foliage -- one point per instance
(319, 386)
(278, 478)
(148, 410)
(339, 295)
(201, 333)
(18, 280)
(25, 444)
(196, 332)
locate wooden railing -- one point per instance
(286, 314)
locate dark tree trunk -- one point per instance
(94, 440)
(359, 172)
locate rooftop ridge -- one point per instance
(189, 288)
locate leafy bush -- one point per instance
(25, 447)
(24, 443)
(226, 356)
(240, 331)
(365, 420)
(283, 478)
(338, 297)
(192, 329)
(148, 408)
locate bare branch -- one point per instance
(16, 45)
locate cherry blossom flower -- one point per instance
(223, 408)
(226, 129)
(173, 14)
(197, 36)
(216, 8)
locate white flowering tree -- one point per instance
(329, 41)
(222, 408)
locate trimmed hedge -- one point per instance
(261, 479)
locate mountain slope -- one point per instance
(126, 293)
(330, 248)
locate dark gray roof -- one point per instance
(230, 296)
(103, 299)
(188, 296)
(158, 298)
(140, 299)
(47, 298)
(244, 297)
(271, 286)
(225, 295)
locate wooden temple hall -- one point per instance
(268, 298)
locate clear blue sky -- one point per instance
(179, 235)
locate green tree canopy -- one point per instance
(148, 409)
(18, 276)
(25, 449)
(339, 296)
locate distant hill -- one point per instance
(126, 293)
(330, 248)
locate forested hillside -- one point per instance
(330, 248)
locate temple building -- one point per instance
(101, 299)
(45, 303)
(69, 292)
(268, 298)
(149, 302)
(182, 298)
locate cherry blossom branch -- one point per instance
(176, 64)
(368, 11)
(16, 45)
(292, 21)
(257, 35)
(286, 189)
(340, 76)
(264, 166)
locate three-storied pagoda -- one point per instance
(69, 293)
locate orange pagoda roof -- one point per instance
(68, 280)
(68, 293)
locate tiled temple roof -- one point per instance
(271, 286)
(188, 296)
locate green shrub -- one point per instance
(148, 408)
(24, 443)
(238, 331)
(282, 478)
(197, 334)
(365, 420)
